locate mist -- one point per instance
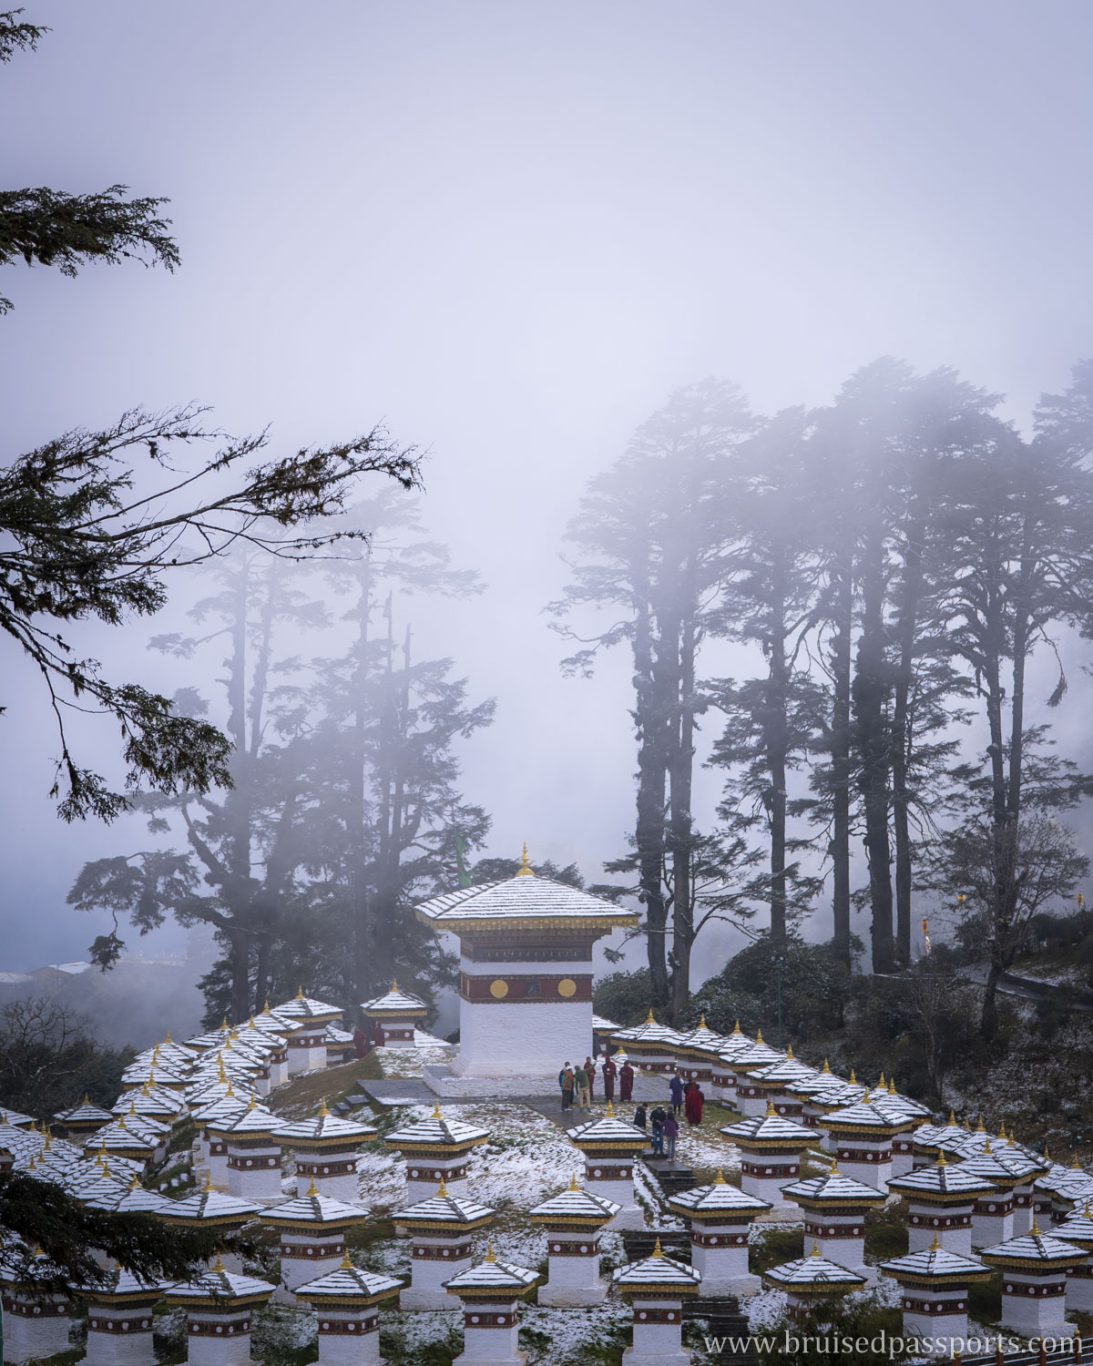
(509, 233)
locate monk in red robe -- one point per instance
(693, 1104)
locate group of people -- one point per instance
(578, 1084)
(578, 1088)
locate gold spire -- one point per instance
(834, 1167)
(853, 1078)
(106, 1170)
(121, 1123)
(772, 1113)
(789, 1053)
(526, 869)
(1087, 1213)
(650, 1018)
(225, 1026)
(436, 1110)
(323, 1110)
(134, 1184)
(312, 1190)
(987, 1146)
(952, 1119)
(736, 1028)
(86, 1099)
(347, 1264)
(221, 1074)
(167, 1037)
(146, 1089)
(218, 1267)
(300, 994)
(719, 1179)
(942, 1161)
(826, 1069)
(702, 1020)
(892, 1086)
(250, 1021)
(442, 1189)
(935, 1245)
(1035, 1230)
(394, 984)
(815, 1250)
(882, 1084)
(610, 1109)
(490, 1256)
(758, 1036)
(265, 1007)
(207, 1184)
(231, 1089)
(980, 1128)
(658, 1251)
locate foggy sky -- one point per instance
(509, 231)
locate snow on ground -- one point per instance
(701, 1150)
(402, 1063)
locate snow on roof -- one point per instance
(718, 1197)
(302, 1009)
(657, 1272)
(436, 1131)
(521, 898)
(443, 1208)
(1077, 1228)
(1003, 1164)
(491, 1277)
(395, 1002)
(349, 1282)
(649, 1031)
(1033, 1247)
(324, 1126)
(608, 1128)
(599, 1022)
(937, 1264)
(314, 1208)
(121, 1284)
(132, 1199)
(769, 1128)
(219, 1284)
(944, 1178)
(833, 1188)
(254, 1119)
(574, 1203)
(813, 1272)
(209, 1207)
(15, 1118)
(84, 1113)
(863, 1115)
(785, 1070)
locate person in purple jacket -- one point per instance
(675, 1091)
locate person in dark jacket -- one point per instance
(675, 1091)
(566, 1081)
(626, 1081)
(639, 1117)
(657, 1118)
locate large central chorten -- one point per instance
(525, 986)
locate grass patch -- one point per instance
(776, 1246)
(886, 1234)
(985, 1301)
(395, 1349)
(301, 1096)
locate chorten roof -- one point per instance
(437, 1132)
(719, 1197)
(605, 1130)
(658, 1273)
(813, 1274)
(703, 1039)
(491, 1277)
(350, 1285)
(1077, 1228)
(757, 1054)
(84, 1113)
(523, 900)
(209, 1207)
(120, 1285)
(121, 1137)
(324, 1127)
(254, 1119)
(575, 1205)
(769, 1128)
(153, 1101)
(1003, 1165)
(219, 1288)
(132, 1199)
(599, 1022)
(303, 1010)
(395, 1002)
(784, 1071)
(952, 1179)
(313, 1209)
(649, 1031)
(865, 1117)
(444, 1210)
(935, 1265)
(15, 1118)
(833, 1189)
(1033, 1249)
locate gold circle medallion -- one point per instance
(499, 988)
(567, 987)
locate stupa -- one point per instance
(656, 1287)
(218, 1305)
(347, 1302)
(325, 1148)
(940, 1201)
(721, 1216)
(436, 1149)
(934, 1301)
(525, 991)
(812, 1280)
(312, 1229)
(611, 1146)
(119, 1320)
(771, 1149)
(573, 1221)
(491, 1293)
(397, 1012)
(835, 1207)
(1034, 1270)
(440, 1230)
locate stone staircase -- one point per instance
(670, 1177)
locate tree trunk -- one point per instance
(988, 1019)
(681, 827)
(776, 728)
(840, 660)
(651, 723)
(870, 697)
(901, 746)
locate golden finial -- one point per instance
(86, 1099)
(882, 1084)
(134, 1184)
(702, 1020)
(442, 1189)
(952, 1119)
(935, 1245)
(252, 1104)
(300, 994)
(436, 1109)
(942, 1160)
(207, 1184)
(490, 1256)
(346, 1264)
(121, 1123)
(526, 869)
(1035, 1230)
(736, 1028)
(759, 1036)
(265, 1007)
(106, 1171)
(719, 1179)
(231, 1089)
(1087, 1213)
(987, 1146)
(323, 1110)
(772, 1113)
(167, 1037)
(218, 1268)
(146, 1089)
(650, 1018)
(789, 1054)
(394, 984)
(573, 1183)
(826, 1069)
(834, 1167)
(853, 1078)
(658, 1251)
(49, 1138)
(221, 1074)
(225, 1027)
(892, 1086)
(312, 1189)
(980, 1128)
(610, 1112)
(133, 1106)
(815, 1250)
